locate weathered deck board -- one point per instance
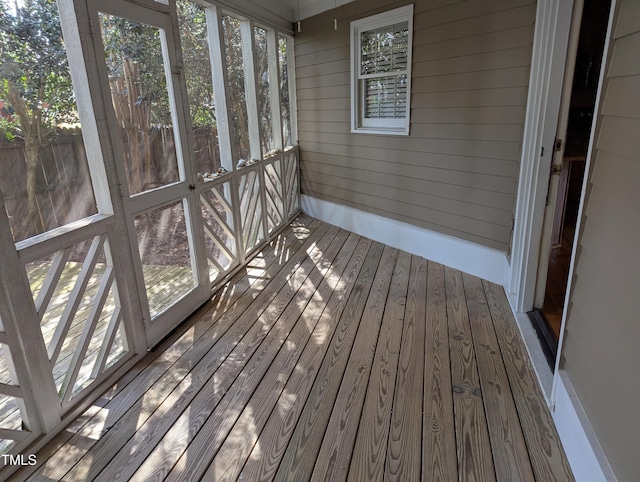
(368, 459)
(239, 379)
(404, 452)
(545, 452)
(227, 305)
(264, 459)
(230, 458)
(126, 445)
(300, 458)
(328, 358)
(507, 441)
(475, 460)
(439, 460)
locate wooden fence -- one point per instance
(63, 186)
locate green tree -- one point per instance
(34, 81)
(135, 66)
(192, 23)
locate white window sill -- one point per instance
(381, 132)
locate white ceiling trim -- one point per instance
(273, 13)
(309, 8)
(291, 10)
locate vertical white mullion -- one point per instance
(274, 88)
(179, 101)
(293, 104)
(293, 109)
(251, 88)
(84, 48)
(276, 111)
(228, 151)
(21, 325)
(217, 58)
(251, 95)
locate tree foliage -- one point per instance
(34, 70)
(35, 81)
(192, 22)
(36, 93)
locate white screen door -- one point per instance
(148, 130)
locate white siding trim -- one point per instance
(486, 263)
(580, 444)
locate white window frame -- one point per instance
(359, 124)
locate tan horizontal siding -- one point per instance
(341, 79)
(418, 217)
(323, 69)
(500, 59)
(445, 168)
(463, 81)
(469, 27)
(464, 10)
(618, 103)
(470, 98)
(629, 23)
(476, 202)
(453, 115)
(619, 136)
(625, 56)
(601, 342)
(479, 132)
(470, 73)
(621, 173)
(474, 148)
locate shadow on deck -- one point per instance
(330, 357)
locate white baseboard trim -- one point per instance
(584, 453)
(486, 263)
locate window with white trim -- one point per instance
(381, 72)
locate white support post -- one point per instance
(251, 88)
(253, 117)
(219, 69)
(276, 111)
(21, 325)
(293, 116)
(274, 89)
(291, 78)
(224, 120)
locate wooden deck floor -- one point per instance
(331, 357)
(166, 284)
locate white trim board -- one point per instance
(580, 444)
(552, 26)
(472, 258)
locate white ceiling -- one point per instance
(281, 13)
(293, 10)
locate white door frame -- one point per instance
(159, 16)
(553, 21)
(551, 35)
(550, 219)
